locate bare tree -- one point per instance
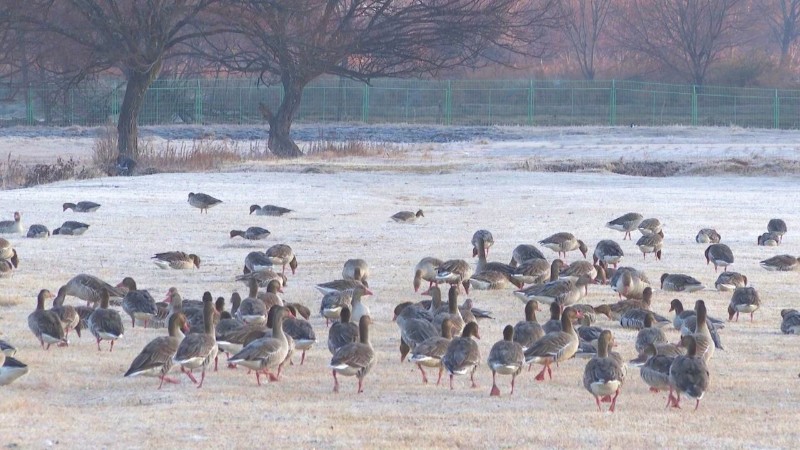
(584, 22)
(783, 18)
(87, 37)
(686, 36)
(295, 41)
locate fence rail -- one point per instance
(448, 102)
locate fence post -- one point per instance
(776, 111)
(694, 105)
(365, 104)
(613, 103)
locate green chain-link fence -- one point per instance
(449, 102)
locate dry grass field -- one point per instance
(76, 397)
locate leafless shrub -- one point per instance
(12, 173)
(330, 149)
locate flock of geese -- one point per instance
(262, 332)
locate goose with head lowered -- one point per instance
(155, 359)
(407, 216)
(608, 252)
(626, 223)
(251, 233)
(744, 300)
(71, 228)
(720, 255)
(524, 252)
(564, 242)
(84, 206)
(426, 270)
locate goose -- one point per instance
(782, 263)
(563, 292)
(301, 332)
(491, 276)
(38, 231)
(702, 335)
(650, 226)
(6, 249)
(651, 243)
(139, 304)
(354, 359)
(678, 282)
(614, 311)
(45, 325)
(252, 310)
(655, 370)
(331, 305)
(67, 314)
(7, 266)
(176, 260)
(778, 227)
(681, 315)
(452, 313)
(7, 349)
(609, 252)
(554, 324)
(455, 272)
(408, 310)
(463, 355)
(413, 331)
(707, 236)
(11, 369)
(666, 349)
(12, 226)
(578, 269)
(203, 201)
(603, 375)
(744, 300)
(689, 326)
(790, 323)
(105, 324)
(554, 347)
(626, 223)
(269, 210)
(262, 277)
(728, 281)
(649, 334)
(720, 255)
(82, 206)
(343, 332)
(356, 269)
(635, 319)
(267, 353)
(155, 359)
(528, 331)
(470, 312)
(197, 350)
(768, 239)
(282, 254)
(506, 358)
(629, 283)
(228, 322)
(486, 237)
(426, 269)
(233, 341)
(537, 271)
(429, 353)
(524, 252)
(688, 373)
(270, 296)
(71, 228)
(563, 243)
(256, 261)
(407, 216)
(251, 233)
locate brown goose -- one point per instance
(702, 336)
(554, 324)
(707, 236)
(768, 240)
(139, 304)
(331, 305)
(12, 226)
(45, 325)
(341, 286)
(506, 358)
(681, 315)
(744, 300)
(728, 281)
(463, 355)
(614, 311)
(262, 277)
(252, 311)
(67, 314)
(301, 332)
(452, 313)
(197, 350)
(578, 269)
(269, 210)
(82, 206)
(38, 231)
(354, 359)
(655, 370)
(563, 292)
(667, 349)
(155, 359)
(203, 201)
(407, 216)
(492, 275)
(537, 271)
(688, 373)
(678, 282)
(635, 319)
(554, 347)
(455, 272)
(781, 263)
(524, 252)
(429, 353)
(563, 243)
(486, 237)
(88, 288)
(651, 243)
(356, 269)
(609, 252)
(414, 331)
(6, 249)
(267, 353)
(176, 260)
(528, 331)
(343, 332)
(649, 334)
(251, 233)
(604, 375)
(790, 323)
(650, 226)
(720, 255)
(626, 223)
(629, 283)
(282, 254)
(71, 228)
(778, 227)
(105, 324)
(426, 269)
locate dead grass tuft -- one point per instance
(12, 173)
(324, 150)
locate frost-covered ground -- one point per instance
(75, 396)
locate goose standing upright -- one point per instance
(507, 358)
(626, 223)
(528, 331)
(463, 355)
(689, 374)
(354, 359)
(343, 332)
(486, 237)
(105, 324)
(267, 353)
(651, 243)
(429, 353)
(702, 336)
(12, 226)
(554, 347)
(203, 201)
(139, 304)
(603, 375)
(155, 359)
(197, 350)
(45, 325)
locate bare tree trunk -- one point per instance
(127, 124)
(280, 123)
